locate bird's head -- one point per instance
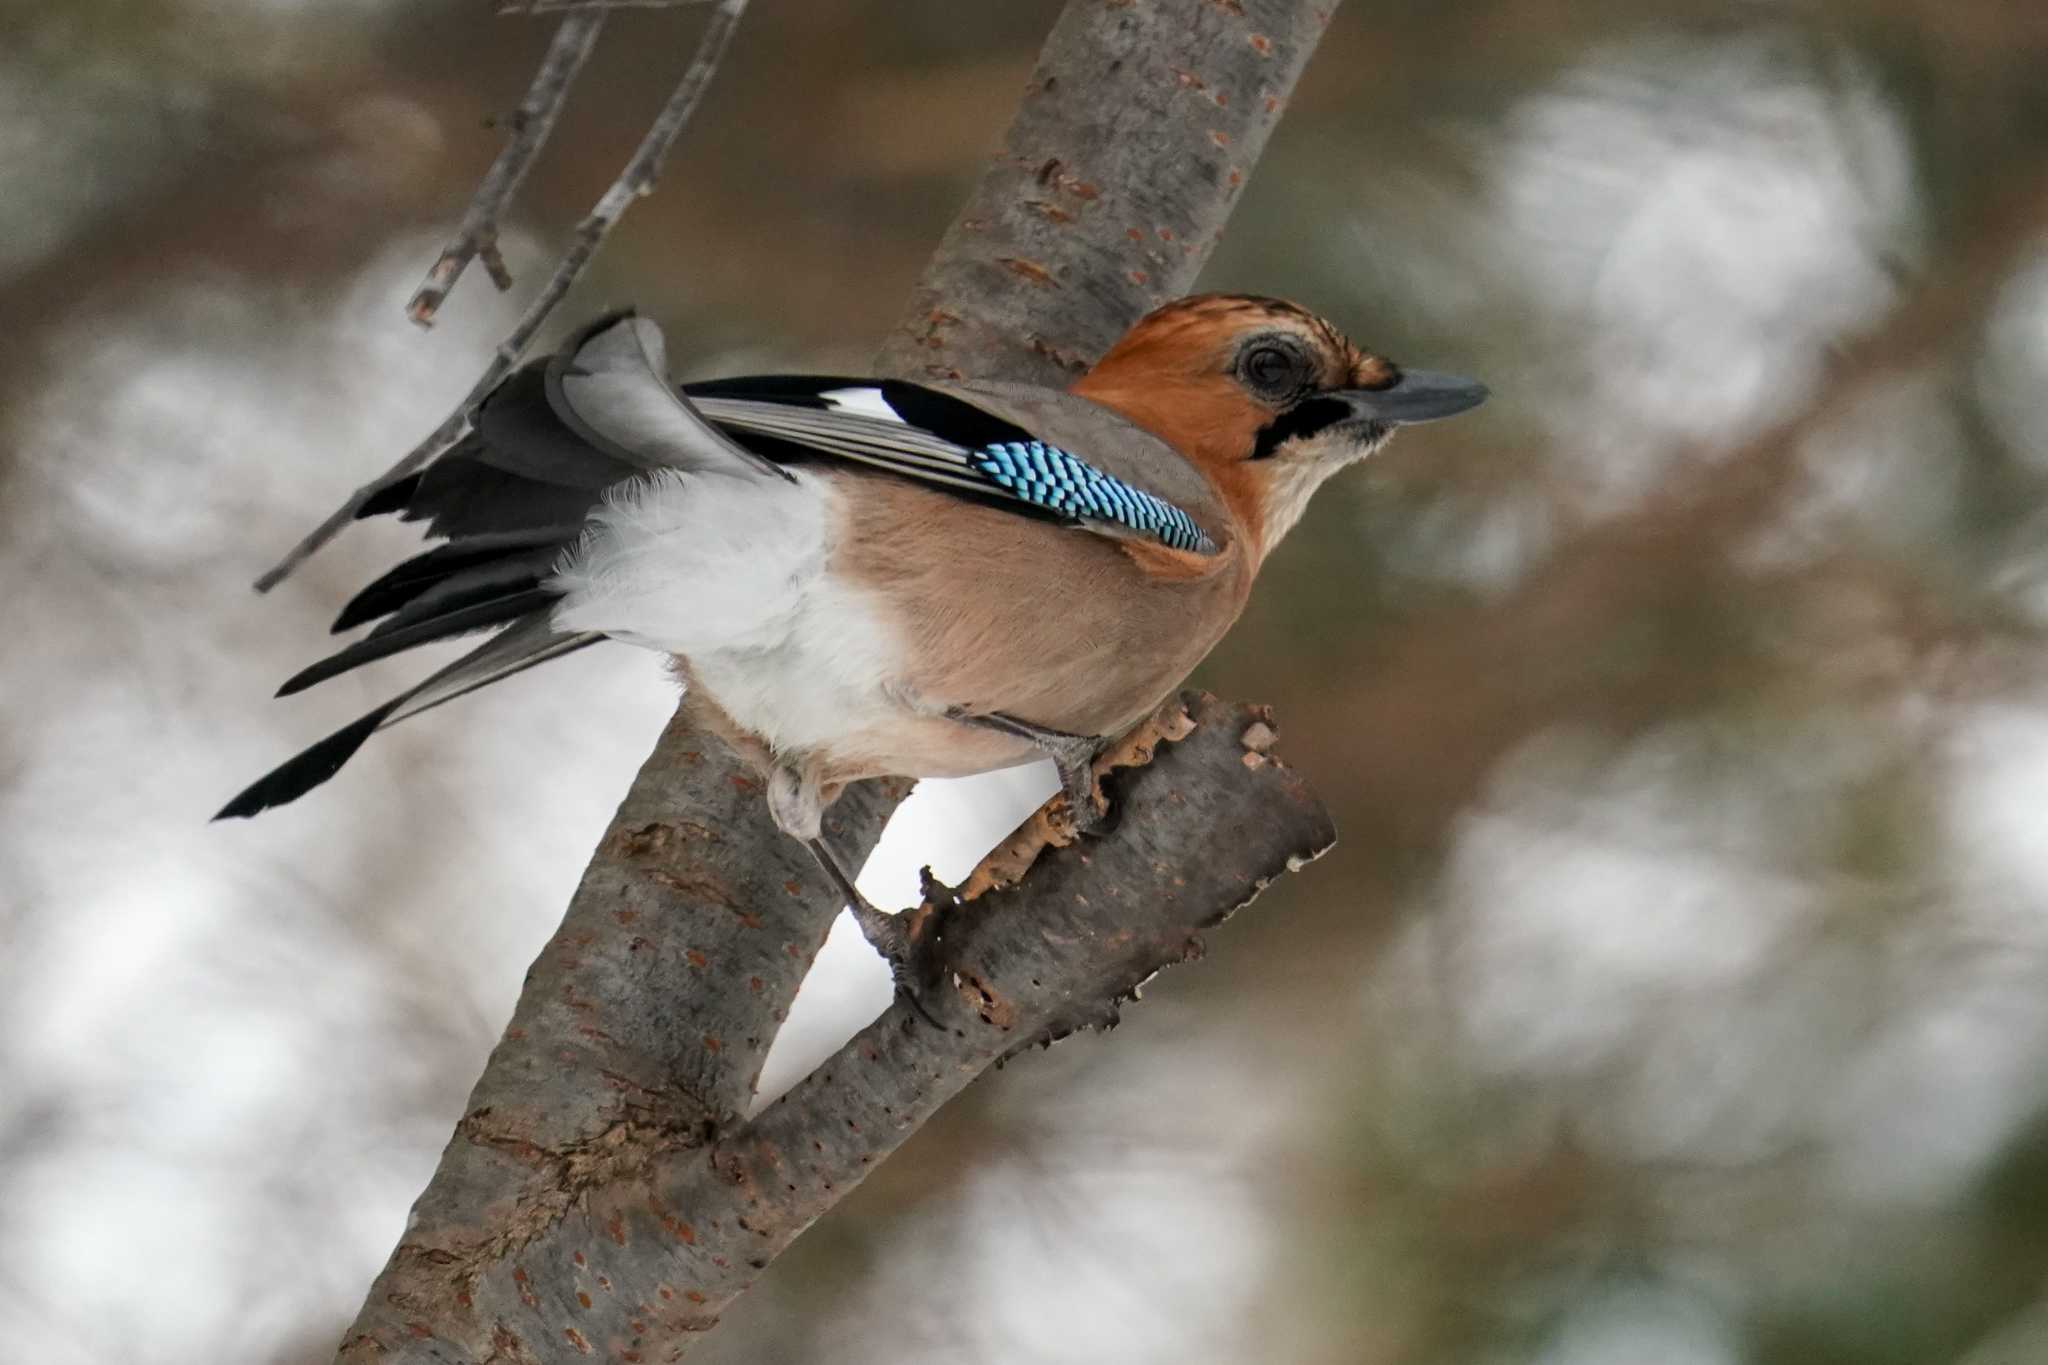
(1269, 399)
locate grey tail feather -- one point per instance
(525, 643)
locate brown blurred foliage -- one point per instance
(1680, 989)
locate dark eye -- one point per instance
(1275, 371)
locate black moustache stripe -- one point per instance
(1305, 418)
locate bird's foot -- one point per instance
(905, 941)
(1088, 809)
(1088, 806)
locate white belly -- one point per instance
(728, 573)
(826, 678)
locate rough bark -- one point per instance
(629, 1242)
(598, 1195)
(1136, 133)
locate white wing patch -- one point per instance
(866, 400)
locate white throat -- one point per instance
(1299, 472)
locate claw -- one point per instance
(935, 892)
(1087, 805)
(903, 950)
(902, 940)
(1073, 755)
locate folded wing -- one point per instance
(964, 441)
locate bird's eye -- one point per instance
(1273, 370)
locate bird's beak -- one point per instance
(1417, 396)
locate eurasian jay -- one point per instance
(856, 578)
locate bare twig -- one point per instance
(635, 180)
(571, 6)
(531, 124)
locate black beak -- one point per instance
(1417, 396)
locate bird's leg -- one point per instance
(797, 798)
(1073, 755)
(897, 938)
(877, 925)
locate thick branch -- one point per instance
(1137, 132)
(532, 122)
(1206, 825)
(642, 1024)
(635, 180)
(596, 1196)
(629, 1238)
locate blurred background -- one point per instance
(1679, 991)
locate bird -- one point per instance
(861, 577)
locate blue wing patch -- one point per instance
(940, 440)
(1046, 476)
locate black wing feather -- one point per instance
(507, 498)
(958, 446)
(950, 418)
(392, 497)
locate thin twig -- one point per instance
(571, 6)
(635, 180)
(531, 124)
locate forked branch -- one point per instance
(532, 122)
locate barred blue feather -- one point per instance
(1049, 477)
(946, 441)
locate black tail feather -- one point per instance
(470, 588)
(513, 650)
(460, 622)
(298, 775)
(423, 571)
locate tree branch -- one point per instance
(629, 1235)
(1028, 964)
(1136, 133)
(532, 122)
(598, 1196)
(570, 6)
(635, 180)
